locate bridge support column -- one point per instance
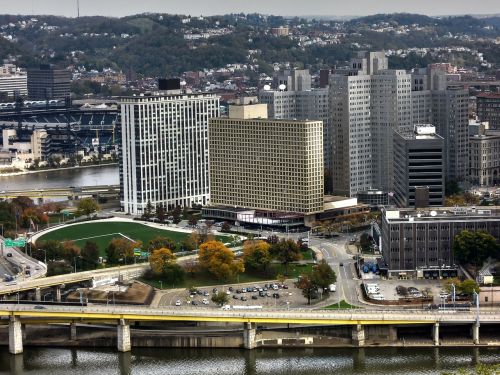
(475, 333)
(72, 331)
(58, 294)
(358, 335)
(15, 336)
(249, 333)
(38, 294)
(435, 334)
(123, 337)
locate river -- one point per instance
(105, 175)
(386, 361)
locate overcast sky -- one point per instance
(120, 8)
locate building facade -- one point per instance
(418, 162)
(488, 109)
(419, 242)
(164, 150)
(485, 157)
(266, 164)
(48, 83)
(13, 82)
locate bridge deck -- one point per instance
(292, 316)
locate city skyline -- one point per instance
(115, 8)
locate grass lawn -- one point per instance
(342, 305)
(307, 255)
(203, 278)
(103, 232)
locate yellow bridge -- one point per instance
(17, 315)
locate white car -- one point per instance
(228, 292)
(205, 301)
(178, 302)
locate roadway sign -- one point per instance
(14, 243)
(137, 252)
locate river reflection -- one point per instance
(106, 175)
(387, 361)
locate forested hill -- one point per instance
(158, 44)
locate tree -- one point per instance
(176, 214)
(220, 299)
(286, 251)
(481, 369)
(469, 287)
(160, 213)
(161, 242)
(365, 242)
(475, 247)
(90, 253)
(219, 260)
(54, 249)
(308, 288)
(226, 227)
(190, 242)
(148, 211)
(87, 206)
(160, 258)
(173, 274)
(70, 251)
(121, 249)
(192, 221)
(323, 275)
(256, 254)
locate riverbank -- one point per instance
(10, 174)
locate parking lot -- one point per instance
(268, 294)
(410, 288)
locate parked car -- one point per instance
(177, 303)
(205, 301)
(243, 298)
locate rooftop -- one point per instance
(437, 213)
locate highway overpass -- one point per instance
(121, 316)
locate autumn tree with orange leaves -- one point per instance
(219, 260)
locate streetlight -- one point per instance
(161, 284)
(453, 293)
(74, 258)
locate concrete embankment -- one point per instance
(231, 336)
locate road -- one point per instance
(20, 261)
(296, 316)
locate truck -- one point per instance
(332, 287)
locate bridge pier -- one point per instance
(123, 336)
(72, 331)
(358, 335)
(58, 294)
(249, 334)
(15, 336)
(475, 333)
(435, 333)
(38, 294)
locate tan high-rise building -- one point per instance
(265, 164)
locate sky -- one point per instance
(119, 8)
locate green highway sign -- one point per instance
(14, 243)
(144, 254)
(137, 252)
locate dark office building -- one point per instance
(47, 83)
(488, 109)
(419, 243)
(418, 165)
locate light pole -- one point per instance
(161, 285)
(74, 258)
(453, 294)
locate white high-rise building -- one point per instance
(368, 102)
(164, 150)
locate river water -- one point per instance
(79, 177)
(386, 361)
